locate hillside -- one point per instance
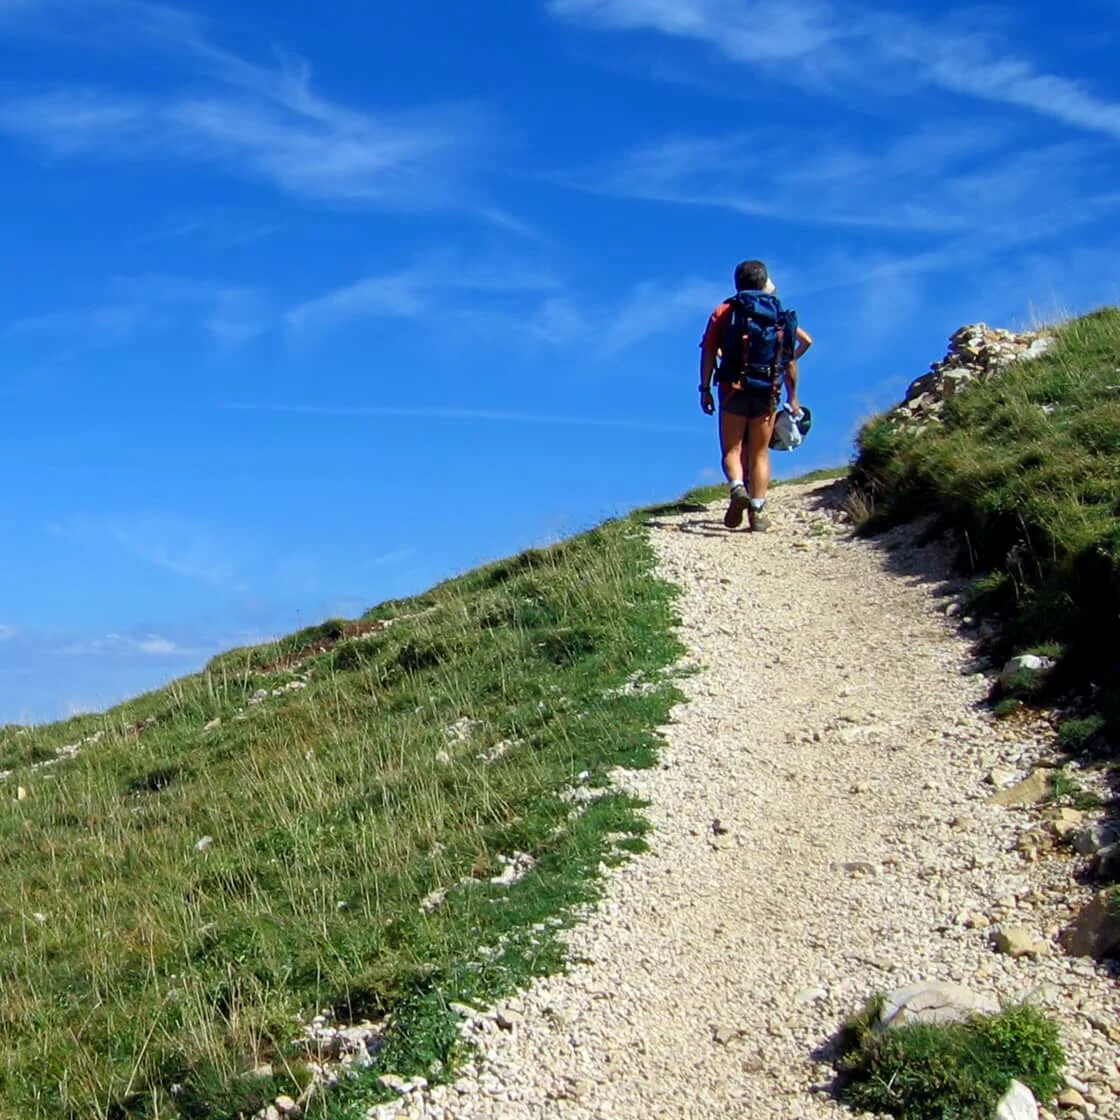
(364, 818)
(320, 860)
(1022, 461)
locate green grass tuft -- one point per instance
(957, 1070)
(1076, 735)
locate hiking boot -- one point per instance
(758, 519)
(733, 518)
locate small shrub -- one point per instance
(1024, 684)
(154, 780)
(1063, 785)
(958, 1070)
(1074, 735)
(567, 645)
(1067, 788)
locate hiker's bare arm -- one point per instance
(709, 348)
(709, 345)
(791, 386)
(707, 364)
(707, 367)
(804, 341)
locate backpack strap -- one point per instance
(790, 323)
(765, 308)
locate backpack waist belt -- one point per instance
(757, 377)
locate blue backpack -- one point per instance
(758, 339)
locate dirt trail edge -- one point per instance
(834, 734)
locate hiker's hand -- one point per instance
(707, 401)
(795, 407)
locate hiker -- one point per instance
(758, 344)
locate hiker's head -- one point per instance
(750, 276)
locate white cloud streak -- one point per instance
(827, 44)
(266, 123)
(172, 544)
(490, 416)
(120, 645)
(476, 299)
(933, 179)
(230, 316)
(409, 292)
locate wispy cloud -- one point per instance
(408, 293)
(120, 645)
(388, 559)
(214, 230)
(237, 316)
(110, 321)
(933, 178)
(546, 313)
(7, 633)
(268, 123)
(818, 43)
(181, 547)
(231, 316)
(490, 416)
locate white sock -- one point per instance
(737, 488)
(757, 503)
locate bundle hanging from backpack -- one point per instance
(758, 339)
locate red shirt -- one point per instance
(713, 332)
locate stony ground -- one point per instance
(823, 830)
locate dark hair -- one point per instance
(751, 276)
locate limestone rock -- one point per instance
(1071, 1098)
(1024, 663)
(1066, 823)
(1018, 1103)
(1106, 864)
(433, 901)
(976, 353)
(397, 1083)
(1015, 941)
(1095, 932)
(1030, 791)
(1093, 838)
(933, 1001)
(1000, 777)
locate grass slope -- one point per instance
(180, 899)
(1026, 466)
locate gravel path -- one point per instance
(835, 736)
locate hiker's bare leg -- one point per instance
(758, 453)
(731, 431)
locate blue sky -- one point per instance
(310, 306)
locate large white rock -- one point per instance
(1018, 1104)
(1030, 662)
(933, 1001)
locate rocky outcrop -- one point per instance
(1096, 931)
(976, 353)
(933, 1002)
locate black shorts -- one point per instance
(754, 402)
